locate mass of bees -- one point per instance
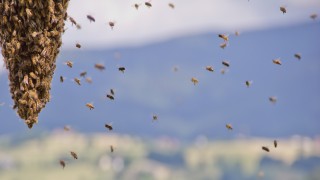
(30, 38)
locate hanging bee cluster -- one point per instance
(30, 37)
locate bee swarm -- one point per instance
(30, 37)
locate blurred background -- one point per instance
(162, 48)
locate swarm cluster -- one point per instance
(30, 37)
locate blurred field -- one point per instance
(162, 158)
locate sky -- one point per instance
(160, 22)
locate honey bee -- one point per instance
(89, 80)
(223, 45)
(66, 128)
(136, 6)
(194, 80)
(313, 16)
(77, 81)
(74, 155)
(112, 91)
(99, 67)
(273, 99)
(111, 148)
(33, 76)
(108, 126)
(90, 106)
(298, 56)
(111, 24)
(122, 69)
(91, 18)
(175, 69)
(283, 9)
(265, 148)
(110, 97)
(237, 33)
(78, 45)
(276, 61)
(73, 22)
(275, 143)
(154, 117)
(62, 163)
(148, 4)
(171, 5)
(209, 68)
(248, 83)
(229, 126)
(226, 63)
(83, 74)
(61, 79)
(69, 63)
(224, 37)
(28, 12)
(25, 79)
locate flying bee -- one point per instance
(298, 56)
(148, 4)
(66, 128)
(313, 16)
(62, 163)
(194, 80)
(89, 80)
(73, 22)
(112, 91)
(209, 68)
(99, 67)
(283, 9)
(122, 69)
(110, 97)
(154, 117)
(61, 79)
(237, 33)
(83, 74)
(223, 45)
(111, 24)
(78, 26)
(90, 106)
(69, 63)
(136, 6)
(224, 37)
(108, 126)
(77, 81)
(171, 5)
(91, 18)
(273, 99)
(275, 143)
(229, 126)
(248, 83)
(111, 148)
(277, 61)
(226, 63)
(265, 148)
(78, 45)
(175, 69)
(74, 155)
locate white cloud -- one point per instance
(134, 27)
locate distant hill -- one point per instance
(149, 86)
